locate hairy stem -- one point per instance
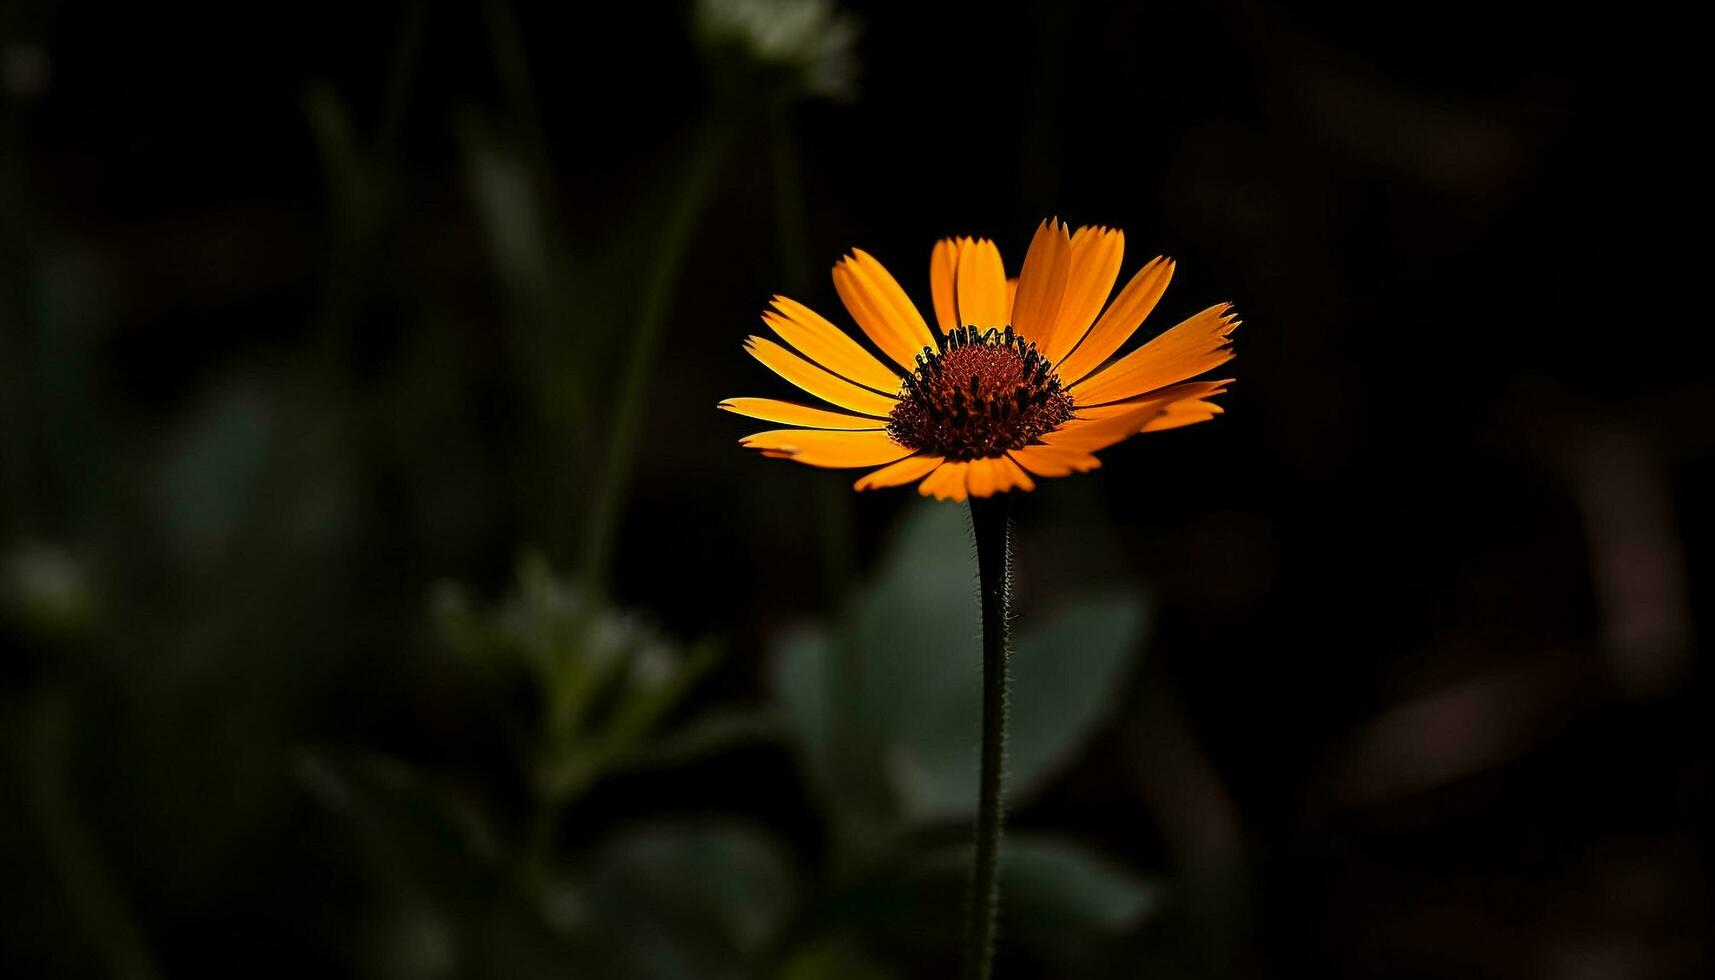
(993, 530)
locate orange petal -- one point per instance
(996, 474)
(1194, 346)
(791, 413)
(1171, 394)
(943, 269)
(981, 280)
(1188, 412)
(835, 450)
(1011, 294)
(1121, 320)
(983, 478)
(1168, 408)
(1096, 257)
(881, 308)
(1054, 460)
(817, 381)
(898, 474)
(1012, 476)
(1089, 435)
(1042, 284)
(946, 483)
(828, 345)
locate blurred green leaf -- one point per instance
(607, 677)
(831, 960)
(355, 198)
(714, 731)
(829, 723)
(45, 592)
(1054, 884)
(384, 795)
(1067, 670)
(899, 705)
(208, 482)
(1061, 900)
(512, 211)
(439, 899)
(693, 901)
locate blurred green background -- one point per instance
(381, 594)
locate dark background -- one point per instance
(310, 307)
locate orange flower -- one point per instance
(1018, 379)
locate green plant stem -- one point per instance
(540, 838)
(992, 526)
(96, 900)
(789, 216)
(693, 191)
(833, 498)
(507, 48)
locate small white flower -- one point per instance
(654, 665)
(44, 587)
(813, 38)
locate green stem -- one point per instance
(833, 499)
(693, 191)
(993, 530)
(789, 206)
(95, 897)
(506, 45)
(539, 838)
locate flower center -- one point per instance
(981, 394)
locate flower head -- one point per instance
(1019, 379)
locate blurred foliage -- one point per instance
(300, 324)
(44, 595)
(605, 679)
(887, 710)
(882, 721)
